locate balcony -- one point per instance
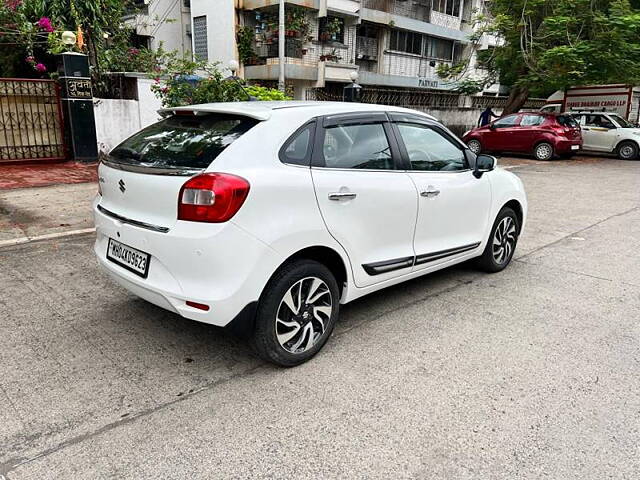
(408, 65)
(416, 9)
(292, 49)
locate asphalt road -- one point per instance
(530, 373)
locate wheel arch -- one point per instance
(328, 257)
(626, 140)
(516, 206)
(544, 140)
(244, 323)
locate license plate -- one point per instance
(575, 147)
(128, 257)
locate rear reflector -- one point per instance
(199, 306)
(212, 197)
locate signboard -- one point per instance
(77, 88)
(428, 83)
(614, 98)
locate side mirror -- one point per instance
(492, 126)
(484, 164)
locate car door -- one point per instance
(598, 133)
(369, 204)
(501, 134)
(530, 131)
(453, 208)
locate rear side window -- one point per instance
(357, 146)
(567, 121)
(182, 141)
(297, 150)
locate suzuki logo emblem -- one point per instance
(122, 186)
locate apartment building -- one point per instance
(390, 43)
(162, 22)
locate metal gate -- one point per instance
(31, 126)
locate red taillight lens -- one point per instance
(212, 197)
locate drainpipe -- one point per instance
(281, 44)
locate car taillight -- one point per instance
(212, 197)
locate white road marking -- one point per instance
(48, 236)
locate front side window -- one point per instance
(531, 120)
(621, 121)
(430, 151)
(182, 141)
(598, 121)
(358, 147)
(508, 121)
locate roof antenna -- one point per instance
(233, 66)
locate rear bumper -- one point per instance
(219, 265)
(565, 146)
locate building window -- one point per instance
(449, 7)
(403, 41)
(200, 49)
(439, 48)
(331, 29)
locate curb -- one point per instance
(48, 236)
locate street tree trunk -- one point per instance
(516, 100)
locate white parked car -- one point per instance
(609, 133)
(263, 217)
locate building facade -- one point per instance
(162, 22)
(395, 44)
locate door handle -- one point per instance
(430, 192)
(337, 196)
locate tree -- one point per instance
(33, 29)
(187, 82)
(548, 45)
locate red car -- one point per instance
(545, 135)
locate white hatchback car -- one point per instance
(609, 133)
(263, 217)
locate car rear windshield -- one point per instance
(182, 141)
(567, 121)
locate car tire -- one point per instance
(627, 151)
(502, 242)
(282, 334)
(475, 146)
(543, 151)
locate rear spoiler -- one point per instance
(241, 109)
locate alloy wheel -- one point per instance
(504, 240)
(303, 314)
(474, 146)
(544, 151)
